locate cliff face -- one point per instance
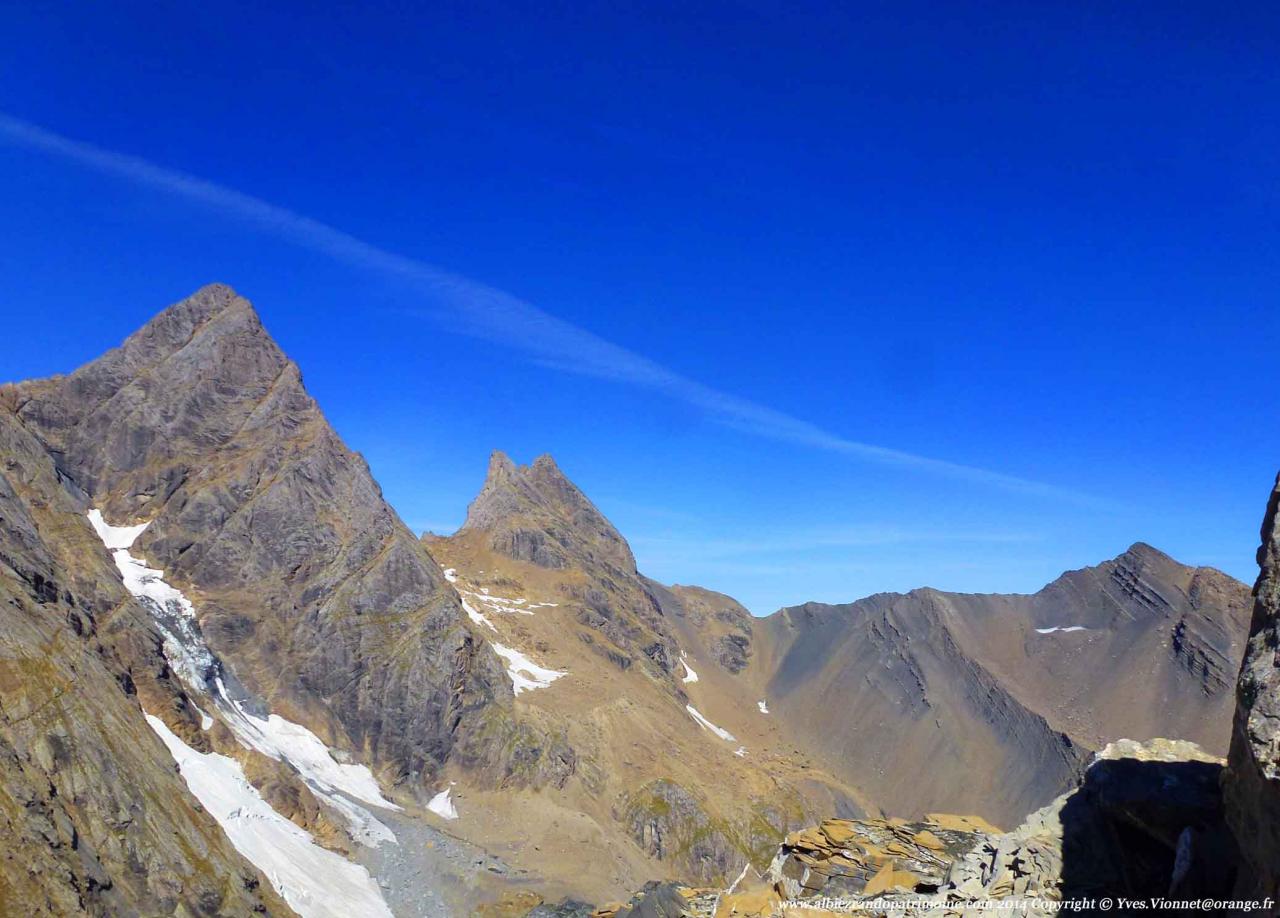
(94, 818)
(1252, 784)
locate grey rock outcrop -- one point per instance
(1252, 787)
(672, 825)
(534, 513)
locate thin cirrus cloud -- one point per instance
(807, 542)
(485, 312)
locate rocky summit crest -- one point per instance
(534, 513)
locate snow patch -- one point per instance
(706, 724)
(525, 674)
(115, 537)
(172, 612)
(477, 617)
(1064, 629)
(689, 674)
(442, 804)
(476, 600)
(329, 779)
(315, 882)
(764, 708)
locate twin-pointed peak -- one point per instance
(534, 513)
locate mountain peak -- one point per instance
(176, 325)
(534, 513)
(500, 466)
(547, 463)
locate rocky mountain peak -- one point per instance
(311, 585)
(534, 513)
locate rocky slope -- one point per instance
(94, 817)
(675, 773)
(1253, 779)
(280, 627)
(1145, 825)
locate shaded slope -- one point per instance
(881, 689)
(1252, 785)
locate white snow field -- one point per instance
(718, 731)
(315, 882)
(442, 804)
(525, 674)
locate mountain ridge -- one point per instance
(523, 675)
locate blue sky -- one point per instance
(812, 302)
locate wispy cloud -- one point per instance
(476, 309)
(847, 539)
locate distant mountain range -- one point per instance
(196, 568)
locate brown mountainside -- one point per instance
(927, 701)
(990, 703)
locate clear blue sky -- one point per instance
(705, 255)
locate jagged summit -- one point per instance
(534, 513)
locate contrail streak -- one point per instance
(495, 315)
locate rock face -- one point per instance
(672, 825)
(534, 514)
(990, 703)
(310, 588)
(94, 818)
(719, 622)
(1252, 787)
